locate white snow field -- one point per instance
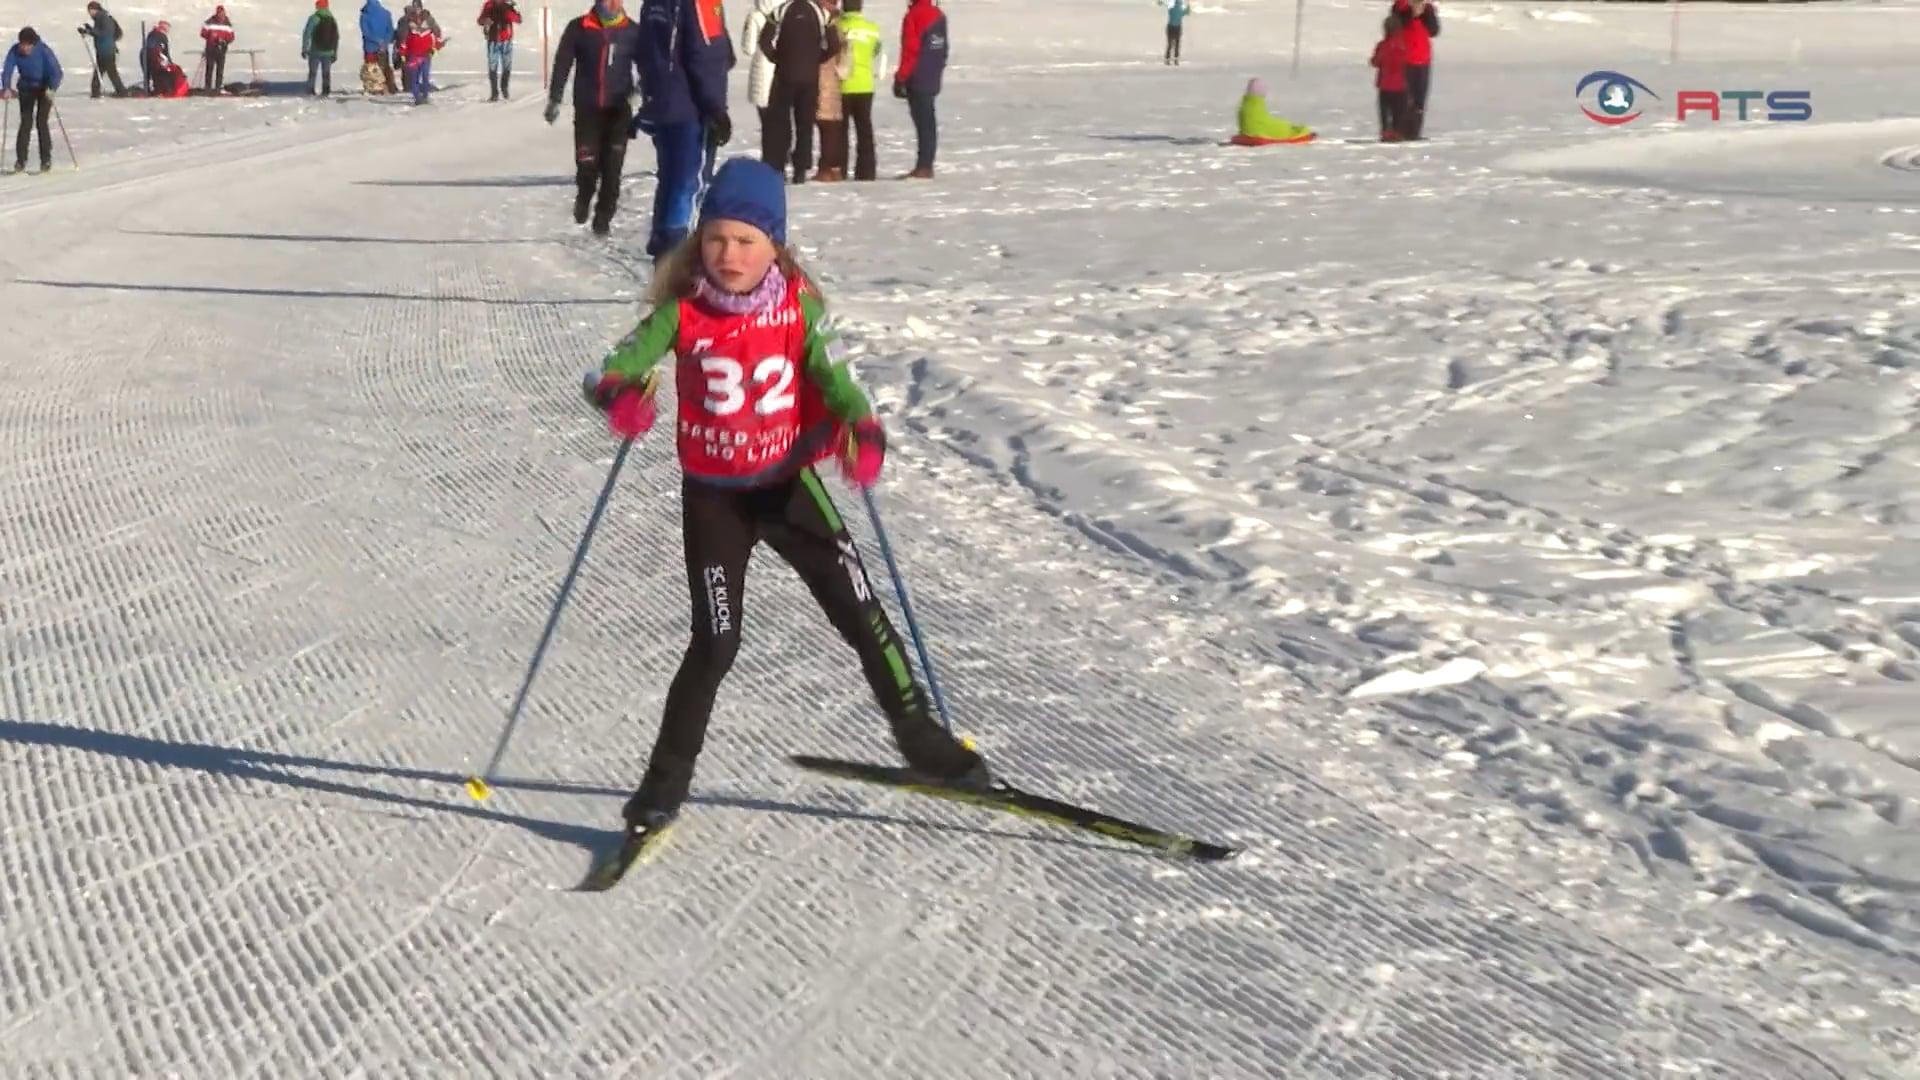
(1512, 540)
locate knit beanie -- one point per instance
(1256, 88)
(749, 191)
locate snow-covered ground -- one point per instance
(1510, 539)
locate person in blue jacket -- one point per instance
(685, 55)
(39, 72)
(601, 50)
(376, 43)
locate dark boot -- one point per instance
(493, 86)
(582, 206)
(661, 792)
(505, 78)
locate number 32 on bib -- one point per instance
(738, 417)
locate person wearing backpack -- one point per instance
(863, 52)
(104, 29)
(319, 44)
(798, 39)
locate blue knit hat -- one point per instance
(750, 191)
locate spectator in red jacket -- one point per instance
(217, 32)
(1423, 25)
(418, 43)
(1390, 78)
(497, 20)
(923, 59)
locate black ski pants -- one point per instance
(36, 107)
(599, 154)
(787, 136)
(926, 130)
(214, 61)
(859, 111)
(1419, 78)
(797, 518)
(107, 64)
(1173, 43)
(1395, 113)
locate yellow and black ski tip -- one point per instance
(636, 846)
(1009, 799)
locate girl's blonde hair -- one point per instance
(681, 270)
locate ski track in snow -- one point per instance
(1195, 443)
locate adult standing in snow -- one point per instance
(764, 397)
(216, 34)
(104, 29)
(831, 116)
(414, 8)
(862, 52)
(32, 60)
(601, 50)
(685, 55)
(1176, 16)
(497, 20)
(319, 44)
(760, 67)
(1422, 26)
(798, 38)
(923, 60)
(376, 46)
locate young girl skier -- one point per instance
(763, 398)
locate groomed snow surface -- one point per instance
(1510, 539)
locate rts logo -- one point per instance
(1618, 100)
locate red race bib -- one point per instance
(744, 398)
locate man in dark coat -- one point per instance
(798, 39)
(601, 50)
(104, 29)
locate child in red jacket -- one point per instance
(418, 43)
(1390, 77)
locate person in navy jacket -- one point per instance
(38, 70)
(601, 51)
(685, 55)
(923, 60)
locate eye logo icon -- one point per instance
(1618, 96)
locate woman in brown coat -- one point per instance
(832, 118)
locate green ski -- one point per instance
(1013, 800)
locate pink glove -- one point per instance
(631, 415)
(866, 450)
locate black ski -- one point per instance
(1005, 797)
(636, 846)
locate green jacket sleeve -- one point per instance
(825, 367)
(635, 356)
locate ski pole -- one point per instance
(51, 104)
(480, 787)
(6, 113)
(906, 609)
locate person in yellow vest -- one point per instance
(863, 54)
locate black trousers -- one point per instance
(36, 106)
(1419, 77)
(926, 129)
(787, 136)
(109, 66)
(859, 112)
(215, 61)
(1173, 43)
(1394, 112)
(599, 155)
(797, 518)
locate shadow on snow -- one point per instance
(325, 294)
(267, 767)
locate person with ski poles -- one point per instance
(39, 76)
(764, 398)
